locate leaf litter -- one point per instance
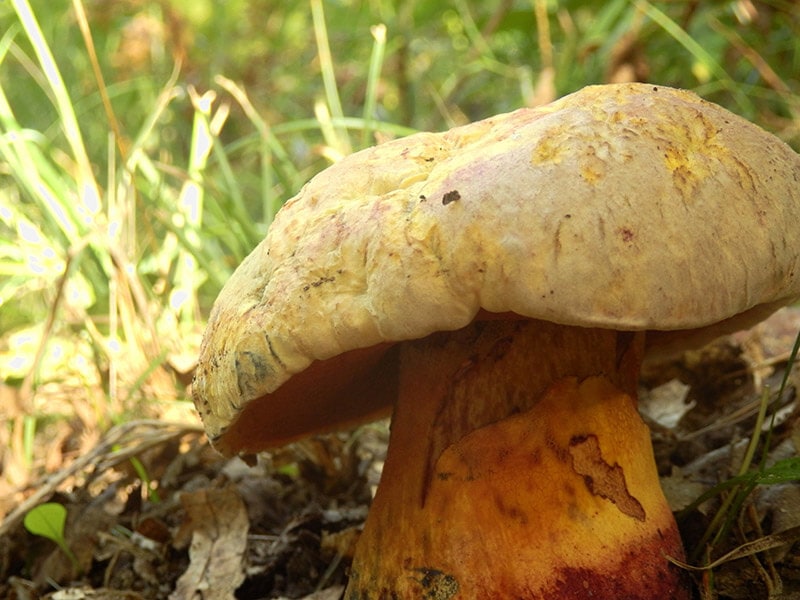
(200, 526)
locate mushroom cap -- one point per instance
(629, 206)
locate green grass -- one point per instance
(734, 494)
(145, 147)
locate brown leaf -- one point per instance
(219, 523)
(332, 593)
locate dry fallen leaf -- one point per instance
(219, 523)
(332, 593)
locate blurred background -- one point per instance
(146, 145)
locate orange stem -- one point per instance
(518, 467)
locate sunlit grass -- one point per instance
(110, 259)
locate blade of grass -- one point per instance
(726, 513)
(87, 186)
(236, 205)
(7, 40)
(697, 51)
(373, 78)
(190, 205)
(476, 38)
(732, 504)
(35, 176)
(28, 437)
(86, 33)
(742, 485)
(29, 383)
(206, 263)
(270, 150)
(144, 477)
(169, 92)
(332, 148)
(69, 195)
(543, 37)
(790, 365)
(342, 145)
(353, 123)
(783, 471)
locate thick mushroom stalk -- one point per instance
(518, 467)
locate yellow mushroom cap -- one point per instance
(629, 207)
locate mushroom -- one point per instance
(497, 286)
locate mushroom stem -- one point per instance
(518, 467)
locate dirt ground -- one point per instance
(197, 525)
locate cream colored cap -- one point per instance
(631, 206)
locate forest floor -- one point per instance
(154, 512)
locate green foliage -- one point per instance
(735, 492)
(48, 520)
(147, 483)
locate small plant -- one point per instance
(147, 484)
(48, 520)
(736, 491)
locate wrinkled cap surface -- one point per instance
(630, 206)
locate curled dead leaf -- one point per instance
(219, 524)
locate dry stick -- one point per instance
(27, 388)
(115, 436)
(766, 72)
(744, 412)
(114, 458)
(751, 408)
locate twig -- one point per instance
(115, 436)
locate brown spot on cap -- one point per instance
(451, 196)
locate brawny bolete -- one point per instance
(498, 286)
